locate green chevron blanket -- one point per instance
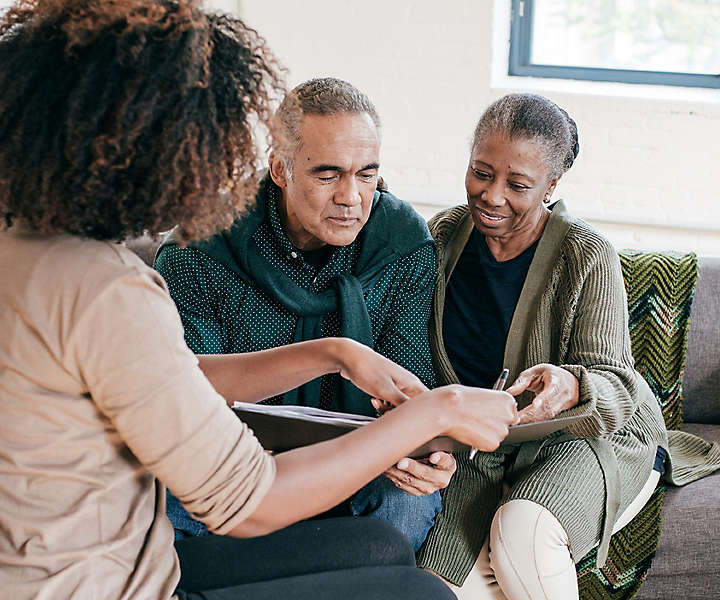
(660, 289)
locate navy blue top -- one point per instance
(480, 301)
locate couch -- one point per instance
(686, 563)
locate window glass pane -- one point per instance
(681, 36)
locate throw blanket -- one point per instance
(660, 289)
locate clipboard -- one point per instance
(282, 428)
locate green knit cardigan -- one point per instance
(572, 312)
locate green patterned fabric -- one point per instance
(660, 288)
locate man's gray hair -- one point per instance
(321, 96)
(535, 118)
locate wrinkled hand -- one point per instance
(423, 477)
(378, 376)
(555, 390)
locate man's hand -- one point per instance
(377, 375)
(556, 390)
(420, 478)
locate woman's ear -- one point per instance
(550, 189)
(278, 170)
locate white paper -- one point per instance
(305, 413)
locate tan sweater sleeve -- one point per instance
(128, 346)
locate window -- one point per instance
(664, 42)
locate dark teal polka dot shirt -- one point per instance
(223, 314)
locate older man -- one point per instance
(323, 253)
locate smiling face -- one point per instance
(328, 197)
(506, 182)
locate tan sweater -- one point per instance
(99, 396)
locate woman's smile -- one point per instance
(488, 218)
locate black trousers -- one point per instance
(343, 558)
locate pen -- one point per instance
(499, 384)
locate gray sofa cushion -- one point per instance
(701, 381)
(686, 564)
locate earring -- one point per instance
(546, 200)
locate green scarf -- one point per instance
(393, 230)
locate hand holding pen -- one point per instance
(499, 385)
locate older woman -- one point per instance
(116, 117)
(526, 286)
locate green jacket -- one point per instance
(572, 312)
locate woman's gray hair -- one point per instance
(320, 96)
(537, 119)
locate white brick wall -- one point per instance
(648, 174)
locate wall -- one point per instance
(647, 169)
(646, 174)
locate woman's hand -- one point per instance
(420, 478)
(377, 375)
(474, 416)
(334, 469)
(555, 390)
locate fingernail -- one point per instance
(403, 464)
(434, 459)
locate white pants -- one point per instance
(527, 556)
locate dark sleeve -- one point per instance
(191, 277)
(404, 337)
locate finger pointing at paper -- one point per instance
(555, 390)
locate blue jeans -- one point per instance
(412, 515)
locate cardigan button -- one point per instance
(293, 254)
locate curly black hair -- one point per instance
(125, 116)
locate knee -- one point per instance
(521, 524)
(530, 554)
(384, 543)
(381, 498)
(422, 508)
(412, 515)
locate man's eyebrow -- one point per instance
(337, 169)
(323, 168)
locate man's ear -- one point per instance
(278, 170)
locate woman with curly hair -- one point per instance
(118, 117)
